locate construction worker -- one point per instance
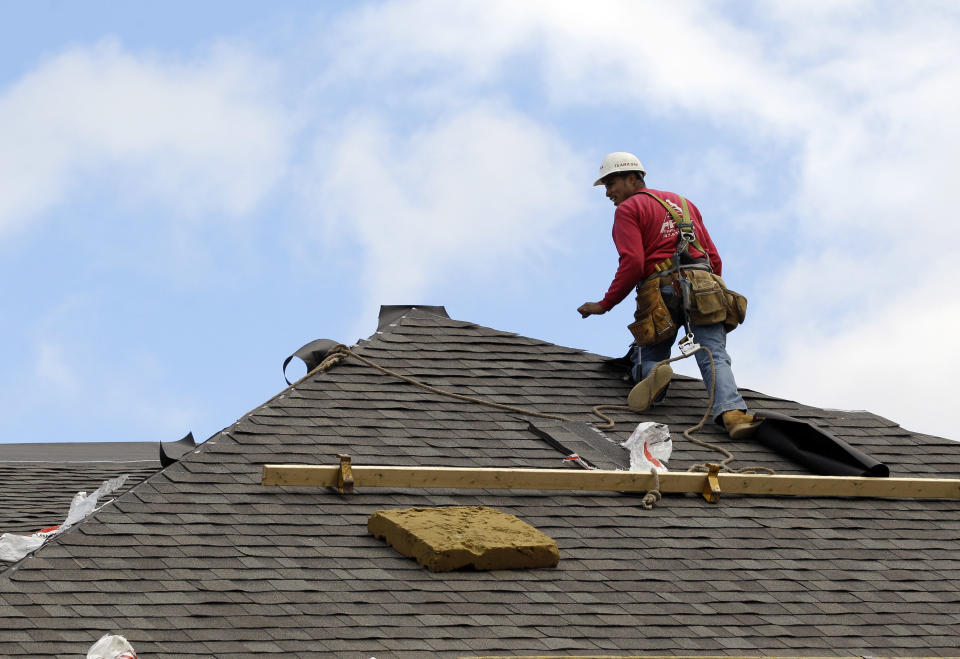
(657, 253)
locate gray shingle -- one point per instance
(203, 560)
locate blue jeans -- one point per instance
(714, 337)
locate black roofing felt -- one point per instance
(201, 560)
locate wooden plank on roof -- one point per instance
(293, 475)
(611, 481)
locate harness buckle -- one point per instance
(686, 231)
(688, 346)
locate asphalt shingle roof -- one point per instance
(39, 480)
(202, 560)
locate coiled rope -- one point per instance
(653, 495)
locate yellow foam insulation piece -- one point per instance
(453, 537)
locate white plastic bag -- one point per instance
(83, 504)
(111, 646)
(14, 547)
(650, 447)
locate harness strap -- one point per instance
(663, 266)
(684, 225)
(667, 265)
(687, 237)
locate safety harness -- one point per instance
(682, 260)
(686, 237)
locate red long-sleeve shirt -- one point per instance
(645, 235)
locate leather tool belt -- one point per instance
(652, 321)
(705, 298)
(710, 301)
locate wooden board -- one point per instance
(611, 481)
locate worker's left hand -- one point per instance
(590, 308)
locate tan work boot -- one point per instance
(651, 388)
(739, 424)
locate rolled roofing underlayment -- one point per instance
(814, 448)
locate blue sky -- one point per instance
(191, 191)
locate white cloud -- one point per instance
(199, 136)
(66, 381)
(894, 358)
(862, 94)
(654, 57)
(124, 394)
(872, 205)
(426, 37)
(51, 369)
(860, 97)
(464, 195)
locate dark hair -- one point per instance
(638, 174)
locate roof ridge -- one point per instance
(414, 313)
(390, 313)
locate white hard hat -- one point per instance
(619, 161)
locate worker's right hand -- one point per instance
(591, 308)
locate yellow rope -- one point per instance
(653, 495)
(688, 433)
(343, 350)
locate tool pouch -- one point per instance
(712, 302)
(736, 310)
(652, 321)
(708, 300)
